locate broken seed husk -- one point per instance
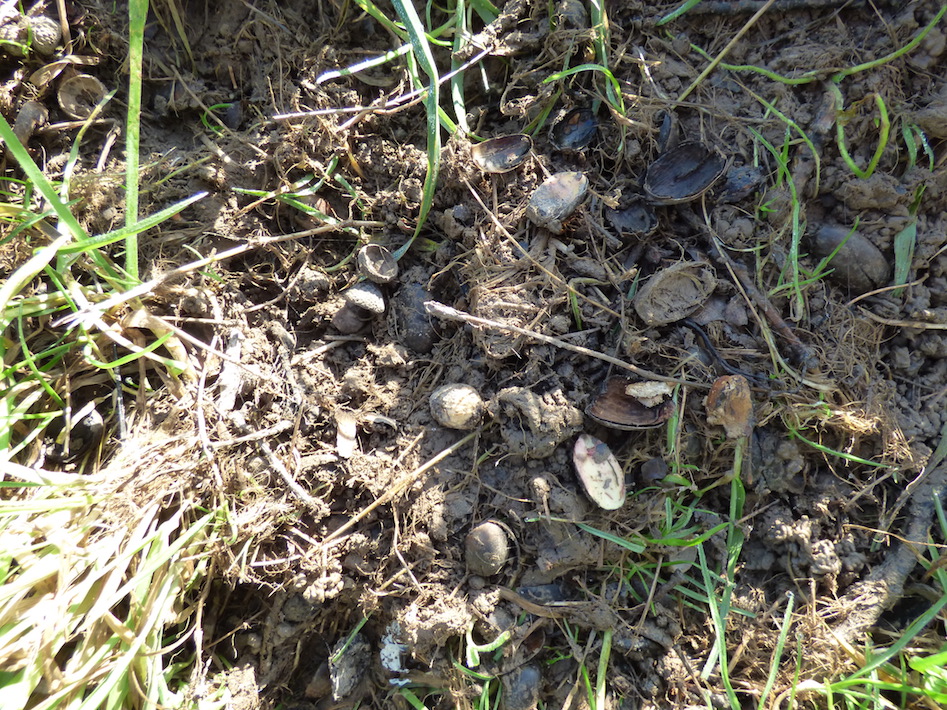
(376, 263)
(675, 292)
(635, 218)
(556, 199)
(599, 472)
(574, 131)
(729, 405)
(501, 155)
(617, 408)
(683, 173)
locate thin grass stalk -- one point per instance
(137, 12)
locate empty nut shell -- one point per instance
(675, 292)
(621, 406)
(487, 549)
(683, 173)
(503, 154)
(80, 94)
(575, 131)
(377, 264)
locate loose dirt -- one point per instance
(848, 412)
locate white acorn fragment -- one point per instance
(346, 433)
(556, 199)
(457, 406)
(650, 392)
(599, 472)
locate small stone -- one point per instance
(858, 265)
(348, 320)
(521, 688)
(487, 549)
(457, 406)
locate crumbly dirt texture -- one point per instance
(332, 523)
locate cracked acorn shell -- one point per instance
(599, 472)
(634, 218)
(674, 293)
(503, 154)
(575, 131)
(376, 263)
(80, 94)
(629, 406)
(684, 173)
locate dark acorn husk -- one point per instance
(635, 218)
(674, 293)
(741, 182)
(614, 408)
(684, 173)
(501, 155)
(575, 131)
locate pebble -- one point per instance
(521, 688)
(859, 265)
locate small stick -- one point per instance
(726, 50)
(439, 310)
(399, 486)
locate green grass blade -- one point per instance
(137, 12)
(674, 14)
(132, 230)
(421, 51)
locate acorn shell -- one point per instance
(599, 472)
(674, 293)
(615, 408)
(80, 94)
(503, 154)
(376, 263)
(635, 217)
(575, 131)
(729, 405)
(683, 173)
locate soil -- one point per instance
(332, 536)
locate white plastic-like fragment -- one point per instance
(599, 472)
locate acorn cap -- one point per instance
(376, 263)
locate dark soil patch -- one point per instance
(865, 374)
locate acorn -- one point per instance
(457, 406)
(487, 549)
